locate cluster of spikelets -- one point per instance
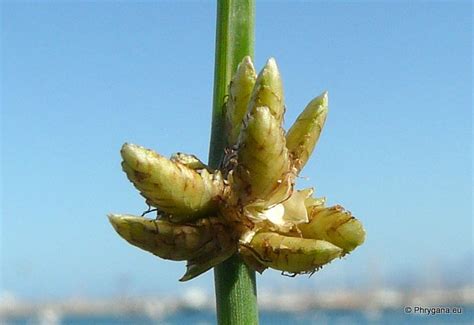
(249, 205)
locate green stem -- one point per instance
(236, 293)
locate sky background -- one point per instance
(80, 79)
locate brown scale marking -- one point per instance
(339, 224)
(274, 186)
(165, 241)
(274, 94)
(270, 130)
(157, 230)
(248, 189)
(164, 206)
(287, 259)
(267, 249)
(257, 158)
(336, 228)
(185, 185)
(282, 150)
(180, 167)
(260, 146)
(202, 247)
(149, 167)
(187, 230)
(134, 239)
(298, 162)
(332, 210)
(179, 235)
(256, 254)
(192, 183)
(140, 176)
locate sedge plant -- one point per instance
(240, 213)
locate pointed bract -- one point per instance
(215, 255)
(222, 246)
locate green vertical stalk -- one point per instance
(236, 293)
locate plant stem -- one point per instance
(236, 293)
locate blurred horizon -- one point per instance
(81, 78)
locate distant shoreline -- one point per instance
(196, 301)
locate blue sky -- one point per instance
(79, 79)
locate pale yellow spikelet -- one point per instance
(240, 90)
(304, 134)
(335, 225)
(263, 162)
(268, 91)
(291, 254)
(163, 238)
(173, 187)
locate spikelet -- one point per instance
(263, 163)
(291, 254)
(171, 186)
(163, 238)
(240, 90)
(268, 91)
(304, 133)
(334, 224)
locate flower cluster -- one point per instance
(249, 205)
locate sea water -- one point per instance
(270, 318)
